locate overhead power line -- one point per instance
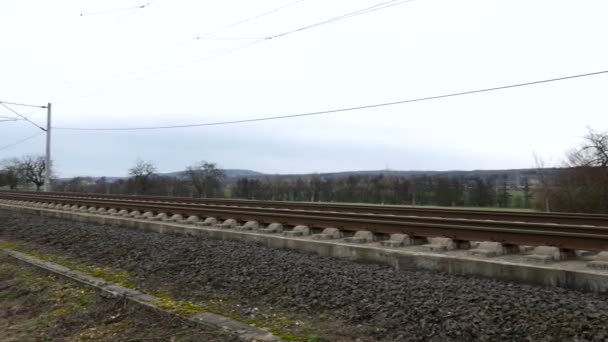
(21, 104)
(21, 116)
(338, 110)
(247, 20)
(204, 37)
(232, 38)
(370, 9)
(5, 147)
(254, 41)
(117, 10)
(150, 75)
(366, 10)
(8, 118)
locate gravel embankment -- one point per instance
(38, 306)
(372, 300)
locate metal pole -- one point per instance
(47, 175)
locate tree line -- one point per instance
(202, 179)
(206, 179)
(580, 185)
(27, 170)
(386, 189)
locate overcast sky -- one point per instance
(112, 67)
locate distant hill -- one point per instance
(512, 177)
(230, 174)
(451, 173)
(397, 173)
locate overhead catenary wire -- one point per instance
(117, 10)
(253, 41)
(141, 78)
(248, 19)
(470, 92)
(362, 11)
(16, 119)
(233, 38)
(205, 37)
(5, 147)
(366, 10)
(23, 117)
(8, 118)
(21, 104)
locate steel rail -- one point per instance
(559, 218)
(585, 238)
(404, 218)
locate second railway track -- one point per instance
(567, 236)
(473, 214)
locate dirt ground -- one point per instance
(305, 297)
(37, 306)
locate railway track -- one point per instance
(495, 215)
(567, 231)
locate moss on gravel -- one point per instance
(37, 306)
(335, 299)
(165, 300)
(181, 307)
(115, 276)
(188, 309)
(63, 299)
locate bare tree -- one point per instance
(582, 185)
(315, 187)
(32, 169)
(589, 163)
(142, 172)
(527, 194)
(544, 182)
(592, 153)
(206, 178)
(78, 184)
(102, 186)
(10, 174)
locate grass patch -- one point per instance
(117, 277)
(7, 245)
(189, 309)
(276, 324)
(181, 307)
(61, 298)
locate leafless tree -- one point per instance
(206, 178)
(33, 169)
(315, 187)
(592, 153)
(142, 172)
(78, 184)
(102, 186)
(544, 183)
(10, 173)
(582, 184)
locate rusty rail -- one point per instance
(472, 214)
(523, 233)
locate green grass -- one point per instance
(62, 298)
(189, 309)
(118, 277)
(276, 325)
